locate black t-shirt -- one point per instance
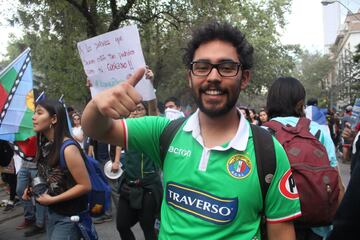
(59, 180)
(101, 151)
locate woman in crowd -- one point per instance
(77, 131)
(285, 104)
(253, 118)
(67, 186)
(245, 112)
(140, 191)
(263, 116)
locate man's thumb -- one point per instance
(135, 78)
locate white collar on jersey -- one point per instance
(239, 142)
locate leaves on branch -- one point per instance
(52, 29)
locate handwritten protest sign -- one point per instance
(110, 58)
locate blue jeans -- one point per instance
(24, 176)
(60, 227)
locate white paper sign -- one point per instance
(112, 57)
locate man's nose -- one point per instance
(214, 75)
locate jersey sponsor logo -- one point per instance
(287, 186)
(239, 166)
(201, 204)
(179, 151)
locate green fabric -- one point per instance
(25, 127)
(137, 165)
(216, 185)
(7, 80)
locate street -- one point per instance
(107, 230)
(9, 221)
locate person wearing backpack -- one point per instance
(66, 193)
(211, 179)
(311, 153)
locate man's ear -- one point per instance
(245, 79)
(189, 79)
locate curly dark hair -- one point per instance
(220, 31)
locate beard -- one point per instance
(216, 112)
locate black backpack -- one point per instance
(6, 153)
(264, 152)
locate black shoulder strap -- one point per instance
(317, 135)
(265, 158)
(167, 136)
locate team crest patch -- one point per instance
(287, 186)
(239, 166)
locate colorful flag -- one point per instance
(316, 114)
(17, 99)
(25, 149)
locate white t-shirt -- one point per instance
(77, 131)
(173, 114)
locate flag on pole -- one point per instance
(62, 101)
(316, 114)
(17, 99)
(25, 149)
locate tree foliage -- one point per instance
(311, 70)
(52, 29)
(356, 56)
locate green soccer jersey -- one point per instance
(213, 193)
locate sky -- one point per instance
(6, 10)
(305, 24)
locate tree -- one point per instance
(356, 73)
(54, 27)
(311, 70)
(356, 56)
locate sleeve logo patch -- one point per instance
(287, 186)
(239, 166)
(201, 204)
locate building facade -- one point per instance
(343, 80)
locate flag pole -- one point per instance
(61, 100)
(40, 96)
(16, 59)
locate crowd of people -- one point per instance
(209, 183)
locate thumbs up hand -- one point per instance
(121, 100)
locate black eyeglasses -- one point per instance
(225, 69)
